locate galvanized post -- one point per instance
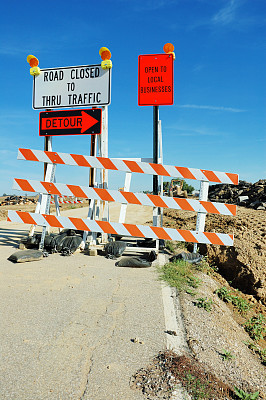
(155, 145)
(155, 161)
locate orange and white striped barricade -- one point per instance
(66, 191)
(126, 187)
(65, 200)
(51, 157)
(60, 189)
(116, 228)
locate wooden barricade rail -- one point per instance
(201, 206)
(51, 157)
(117, 196)
(116, 228)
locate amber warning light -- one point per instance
(71, 122)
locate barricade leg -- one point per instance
(123, 208)
(201, 216)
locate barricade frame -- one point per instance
(54, 158)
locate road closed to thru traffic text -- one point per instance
(67, 87)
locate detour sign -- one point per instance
(71, 122)
(156, 80)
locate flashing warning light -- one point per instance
(105, 56)
(34, 62)
(168, 48)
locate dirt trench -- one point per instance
(243, 265)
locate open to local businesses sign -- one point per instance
(66, 87)
(156, 80)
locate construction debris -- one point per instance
(251, 195)
(18, 200)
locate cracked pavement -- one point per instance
(67, 324)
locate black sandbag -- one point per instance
(151, 256)
(161, 244)
(191, 258)
(147, 242)
(25, 256)
(67, 238)
(151, 243)
(31, 242)
(50, 240)
(136, 262)
(70, 244)
(114, 249)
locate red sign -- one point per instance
(156, 80)
(71, 122)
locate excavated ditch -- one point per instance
(243, 265)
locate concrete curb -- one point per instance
(174, 323)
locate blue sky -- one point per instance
(217, 121)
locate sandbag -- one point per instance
(147, 242)
(151, 256)
(114, 249)
(66, 242)
(70, 244)
(191, 258)
(25, 256)
(54, 243)
(31, 242)
(151, 243)
(136, 262)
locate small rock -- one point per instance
(136, 340)
(173, 333)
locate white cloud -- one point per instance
(148, 5)
(7, 152)
(227, 14)
(185, 130)
(211, 108)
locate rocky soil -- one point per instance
(211, 333)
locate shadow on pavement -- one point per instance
(11, 237)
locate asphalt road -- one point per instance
(67, 324)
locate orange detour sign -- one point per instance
(156, 80)
(71, 122)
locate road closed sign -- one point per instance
(67, 87)
(156, 80)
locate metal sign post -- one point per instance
(156, 87)
(155, 145)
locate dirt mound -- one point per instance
(244, 264)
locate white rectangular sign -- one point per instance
(67, 87)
